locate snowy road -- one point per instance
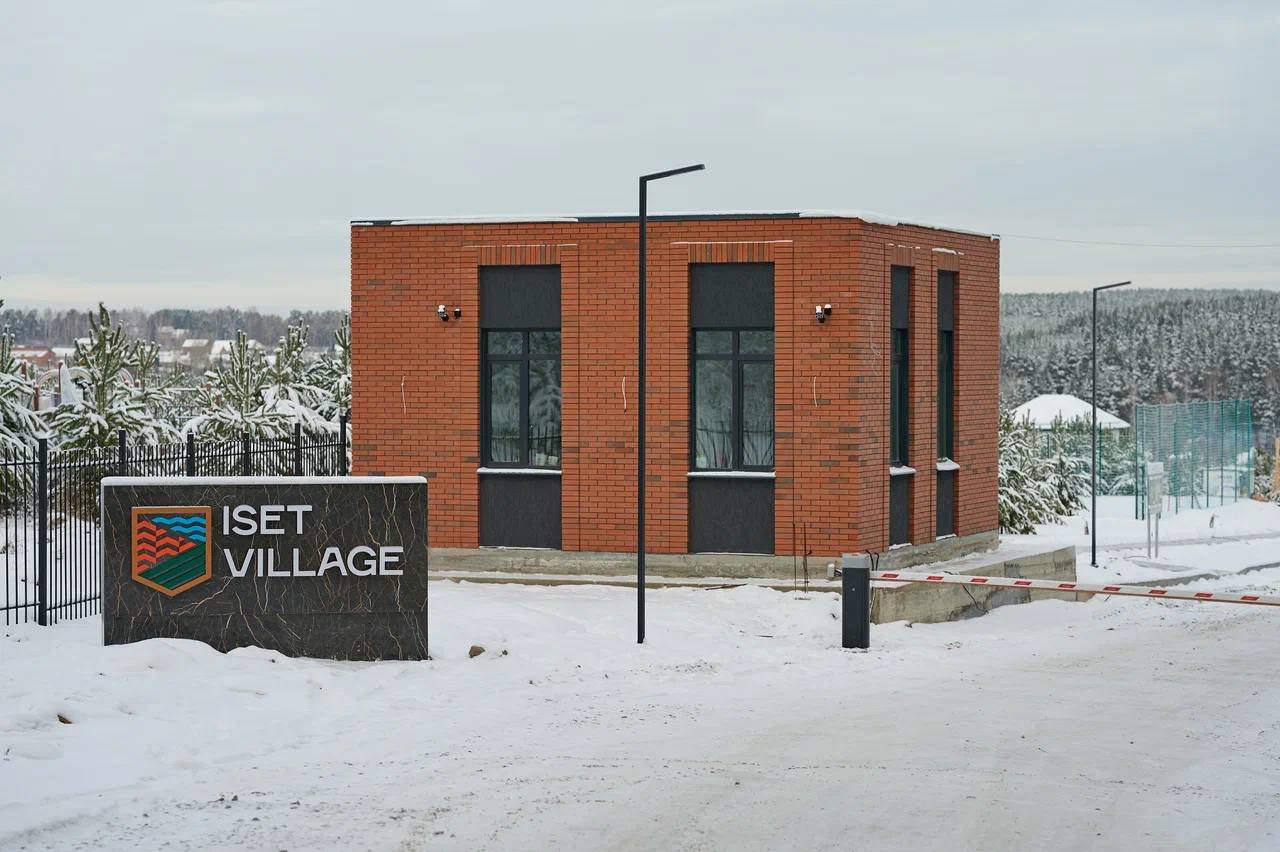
(1115, 724)
(1046, 753)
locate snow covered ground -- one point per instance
(1117, 526)
(1222, 540)
(1113, 724)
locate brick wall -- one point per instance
(418, 411)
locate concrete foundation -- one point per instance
(718, 565)
(915, 602)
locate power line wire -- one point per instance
(1143, 245)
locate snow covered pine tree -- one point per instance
(293, 388)
(1025, 482)
(1068, 471)
(251, 395)
(332, 372)
(232, 398)
(19, 425)
(108, 402)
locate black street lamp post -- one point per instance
(1093, 434)
(640, 471)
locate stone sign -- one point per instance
(317, 567)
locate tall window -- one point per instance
(899, 403)
(731, 391)
(733, 399)
(520, 366)
(522, 398)
(946, 364)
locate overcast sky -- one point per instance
(205, 153)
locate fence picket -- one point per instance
(49, 505)
(42, 533)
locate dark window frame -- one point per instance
(899, 404)
(523, 359)
(736, 359)
(948, 284)
(900, 365)
(946, 395)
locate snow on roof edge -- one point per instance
(873, 218)
(464, 220)
(868, 216)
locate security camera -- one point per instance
(819, 314)
(442, 313)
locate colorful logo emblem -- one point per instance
(171, 547)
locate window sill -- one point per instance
(731, 474)
(947, 464)
(517, 471)
(901, 470)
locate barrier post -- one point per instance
(855, 601)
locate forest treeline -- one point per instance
(49, 327)
(1153, 346)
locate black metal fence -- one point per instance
(50, 566)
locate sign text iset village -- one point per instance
(248, 520)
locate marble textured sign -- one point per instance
(317, 567)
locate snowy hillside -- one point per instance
(1154, 346)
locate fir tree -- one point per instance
(232, 398)
(108, 404)
(1026, 494)
(291, 390)
(1067, 470)
(1263, 476)
(153, 387)
(332, 373)
(19, 425)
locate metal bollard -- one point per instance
(855, 600)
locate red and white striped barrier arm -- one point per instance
(1060, 586)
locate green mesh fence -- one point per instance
(1207, 450)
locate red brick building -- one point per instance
(514, 387)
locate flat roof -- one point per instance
(863, 215)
